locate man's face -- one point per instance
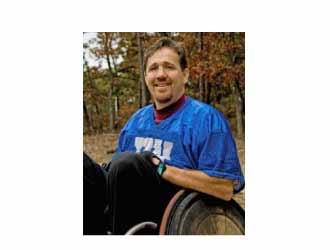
(165, 78)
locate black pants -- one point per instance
(135, 193)
(95, 198)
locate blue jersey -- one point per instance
(196, 136)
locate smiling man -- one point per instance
(177, 142)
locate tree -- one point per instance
(105, 51)
(144, 97)
(238, 73)
(201, 77)
(217, 69)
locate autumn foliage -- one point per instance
(114, 85)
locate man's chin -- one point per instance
(164, 100)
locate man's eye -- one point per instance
(152, 68)
(169, 66)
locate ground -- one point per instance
(101, 147)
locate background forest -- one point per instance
(114, 86)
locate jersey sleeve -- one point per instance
(218, 154)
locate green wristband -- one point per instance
(161, 168)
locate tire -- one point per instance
(195, 213)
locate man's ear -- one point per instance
(145, 78)
(186, 75)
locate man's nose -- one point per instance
(161, 73)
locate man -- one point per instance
(177, 142)
(192, 142)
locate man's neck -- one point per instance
(162, 114)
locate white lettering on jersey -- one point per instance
(159, 147)
(139, 144)
(167, 148)
(148, 144)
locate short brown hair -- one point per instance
(168, 43)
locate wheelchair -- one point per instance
(194, 213)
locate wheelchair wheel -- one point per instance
(194, 213)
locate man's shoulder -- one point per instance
(142, 115)
(142, 111)
(206, 114)
(203, 109)
(196, 104)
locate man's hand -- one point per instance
(155, 160)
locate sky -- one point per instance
(92, 60)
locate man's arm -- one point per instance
(199, 181)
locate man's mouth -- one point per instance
(162, 84)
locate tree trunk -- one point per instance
(201, 78)
(116, 110)
(86, 114)
(201, 88)
(143, 97)
(110, 94)
(208, 88)
(238, 96)
(110, 74)
(99, 117)
(239, 110)
(87, 118)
